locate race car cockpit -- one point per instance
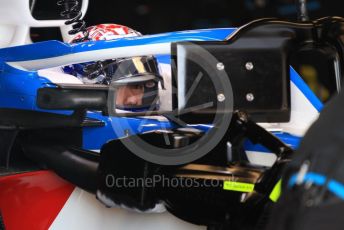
(229, 94)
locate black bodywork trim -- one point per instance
(268, 44)
(72, 164)
(73, 97)
(2, 225)
(29, 119)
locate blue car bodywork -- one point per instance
(18, 88)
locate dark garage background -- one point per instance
(156, 16)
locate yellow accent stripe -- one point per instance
(276, 192)
(238, 186)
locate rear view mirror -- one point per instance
(34, 13)
(233, 76)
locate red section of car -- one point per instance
(32, 200)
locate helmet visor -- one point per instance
(135, 81)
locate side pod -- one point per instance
(74, 165)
